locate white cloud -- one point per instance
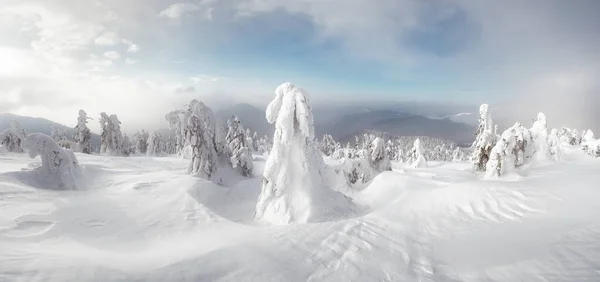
(107, 39)
(113, 55)
(129, 61)
(176, 10)
(205, 78)
(134, 48)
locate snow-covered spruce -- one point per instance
(510, 152)
(82, 135)
(60, 136)
(328, 145)
(12, 138)
(59, 167)
(141, 142)
(237, 138)
(378, 156)
(590, 145)
(153, 147)
(417, 160)
(485, 139)
(127, 148)
(294, 188)
(555, 144)
(539, 137)
(111, 138)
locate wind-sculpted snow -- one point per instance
(144, 219)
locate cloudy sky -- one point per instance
(139, 59)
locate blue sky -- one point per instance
(63, 55)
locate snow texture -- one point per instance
(294, 188)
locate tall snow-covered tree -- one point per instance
(59, 166)
(511, 151)
(238, 141)
(141, 142)
(539, 136)
(82, 135)
(378, 156)
(249, 140)
(153, 145)
(177, 125)
(417, 159)
(12, 138)
(555, 145)
(294, 188)
(328, 145)
(127, 148)
(485, 139)
(111, 138)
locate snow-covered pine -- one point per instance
(127, 148)
(327, 145)
(237, 139)
(390, 149)
(378, 156)
(294, 189)
(59, 168)
(555, 145)
(417, 160)
(255, 140)
(111, 138)
(458, 155)
(140, 140)
(249, 140)
(12, 138)
(60, 136)
(485, 139)
(539, 136)
(176, 120)
(153, 147)
(82, 135)
(589, 144)
(510, 152)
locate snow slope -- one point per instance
(144, 219)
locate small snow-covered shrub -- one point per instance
(60, 167)
(12, 138)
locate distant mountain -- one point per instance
(31, 124)
(250, 116)
(402, 124)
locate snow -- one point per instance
(144, 219)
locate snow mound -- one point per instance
(60, 168)
(294, 188)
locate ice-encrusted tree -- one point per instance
(59, 135)
(241, 158)
(539, 136)
(127, 148)
(294, 189)
(417, 160)
(153, 145)
(248, 140)
(510, 152)
(111, 138)
(12, 138)
(378, 156)
(457, 155)
(177, 125)
(555, 144)
(82, 135)
(59, 166)
(485, 139)
(328, 145)
(141, 142)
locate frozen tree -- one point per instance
(126, 147)
(177, 125)
(111, 138)
(555, 145)
(153, 145)
(511, 151)
(457, 155)
(539, 135)
(328, 145)
(12, 138)
(294, 188)
(82, 135)
(60, 136)
(589, 144)
(485, 139)
(390, 149)
(59, 166)
(575, 138)
(378, 156)
(255, 140)
(238, 144)
(249, 140)
(417, 159)
(141, 142)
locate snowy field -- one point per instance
(145, 219)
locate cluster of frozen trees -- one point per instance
(12, 138)
(500, 154)
(294, 188)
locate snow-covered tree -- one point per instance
(59, 166)
(12, 138)
(237, 139)
(60, 136)
(417, 159)
(153, 147)
(589, 144)
(539, 136)
(177, 123)
(555, 145)
(111, 138)
(378, 156)
(485, 139)
(328, 145)
(82, 135)
(249, 140)
(458, 155)
(141, 142)
(510, 152)
(127, 148)
(294, 188)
